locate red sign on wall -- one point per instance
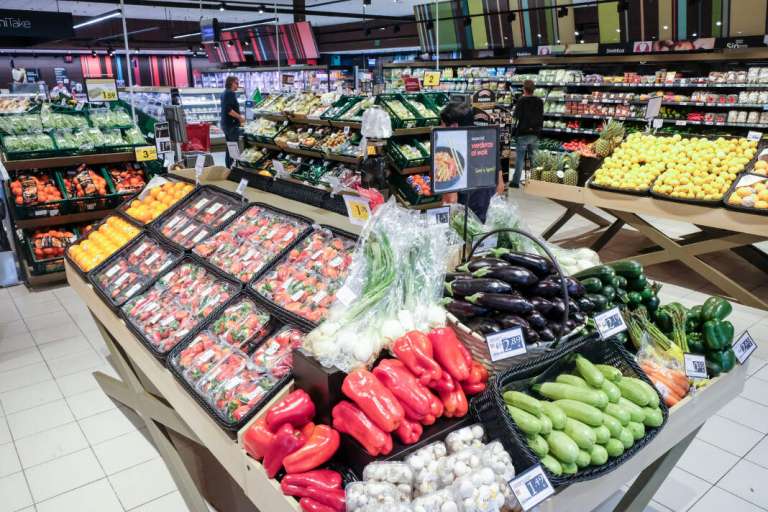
(411, 84)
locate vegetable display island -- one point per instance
(176, 420)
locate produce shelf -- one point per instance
(308, 153)
(586, 100)
(58, 220)
(66, 161)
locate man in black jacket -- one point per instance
(231, 118)
(529, 112)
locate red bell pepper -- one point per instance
(310, 505)
(296, 408)
(477, 373)
(455, 403)
(308, 429)
(452, 356)
(406, 388)
(409, 432)
(415, 351)
(258, 439)
(332, 498)
(347, 418)
(320, 478)
(374, 399)
(442, 385)
(473, 389)
(319, 448)
(287, 441)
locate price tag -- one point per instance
(532, 487)
(233, 148)
(346, 130)
(695, 366)
(145, 153)
(756, 136)
(79, 106)
(279, 168)
(109, 95)
(241, 186)
(506, 344)
(346, 296)
(199, 165)
(358, 209)
(168, 158)
(431, 79)
(680, 123)
(744, 347)
(439, 215)
(610, 323)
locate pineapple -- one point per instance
(550, 176)
(571, 177)
(611, 136)
(602, 147)
(547, 163)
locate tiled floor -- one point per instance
(64, 446)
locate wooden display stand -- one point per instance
(721, 230)
(179, 426)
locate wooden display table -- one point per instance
(148, 388)
(721, 230)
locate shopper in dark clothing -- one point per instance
(231, 119)
(529, 112)
(454, 115)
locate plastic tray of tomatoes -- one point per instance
(36, 194)
(302, 285)
(130, 270)
(198, 216)
(228, 382)
(88, 188)
(249, 244)
(45, 248)
(100, 242)
(176, 303)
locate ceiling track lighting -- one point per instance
(222, 6)
(98, 19)
(562, 12)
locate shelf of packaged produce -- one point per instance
(309, 153)
(355, 125)
(587, 101)
(663, 85)
(677, 122)
(67, 161)
(592, 116)
(405, 171)
(571, 130)
(60, 220)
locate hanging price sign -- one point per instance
(241, 186)
(506, 344)
(532, 487)
(610, 323)
(145, 153)
(431, 79)
(233, 148)
(755, 136)
(744, 347)
(358, 209)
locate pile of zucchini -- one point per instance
(585, 418)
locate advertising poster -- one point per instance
(464, 158)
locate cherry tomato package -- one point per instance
(198, 216)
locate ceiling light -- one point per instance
(582, 41)
(246, 43)
(558, 41)
(665, 27)
(562, 12)
(366, 2)
(576, 33)
(222, 6)
(538, 35)
(97, 19)
(93, 53)
(694, 34)
(261, 8)
(719, 23)
(254, 24)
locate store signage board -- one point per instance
(532, 487)
(431, 78)
(484, 97)
(163, 138)
(35, 24)
(464, 158)
(145, 153)
(358, 209)
(653, 108)
(744, 347)
(695, 366)
(610, 323)
(505, 344)
(101, 90)
(411, 84)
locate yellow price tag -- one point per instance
(431, 78)
(358, 210)
(108, 95)
(145, 153)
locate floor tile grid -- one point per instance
(76, 421)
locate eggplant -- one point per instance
(510, 321)
(518, 277)
(547, 288)
(464, 287)
(578, 316)
(479, 263)
(585, 305)
(541, 305)
(571, 325)
(558, 309)
(453, 276)
(484, 325)
(464, 310)
(503, 302)
(575, 288)
(531, 336)
(533, 262)
(546, 334)
(556, 328)
(536, 320)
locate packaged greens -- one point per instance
(117, 118)
(18, 124)
(134, 137)
(32, 142)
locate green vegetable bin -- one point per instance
(45, 266)
(400, 160)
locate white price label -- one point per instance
(506, 344)
(199, 165)
(346, 296)
(695, 366)
(610, 323)
(112, 271)
(152, 258)
(241, 186)
(658, 123)
(133, 289)
(531, 487)
(233, 148)
(439, 215)
(744, 347)
(346, 130)
(756, 136)
(279, 168)
(681, 123)
(487, 244)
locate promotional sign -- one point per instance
(411, 84)
(60, 75)
(695, 366)
(35, 24)
(145, 153)
(288, 79)
(431, 78)
(484, 96)
(464, 158)
(100, 90)
(358, 209)
(653, 108)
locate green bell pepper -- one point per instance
(652, 304)
(716, 308)
(693, 321)
(724, 359)
(695, 343)
(717, 335)
(664, 320)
